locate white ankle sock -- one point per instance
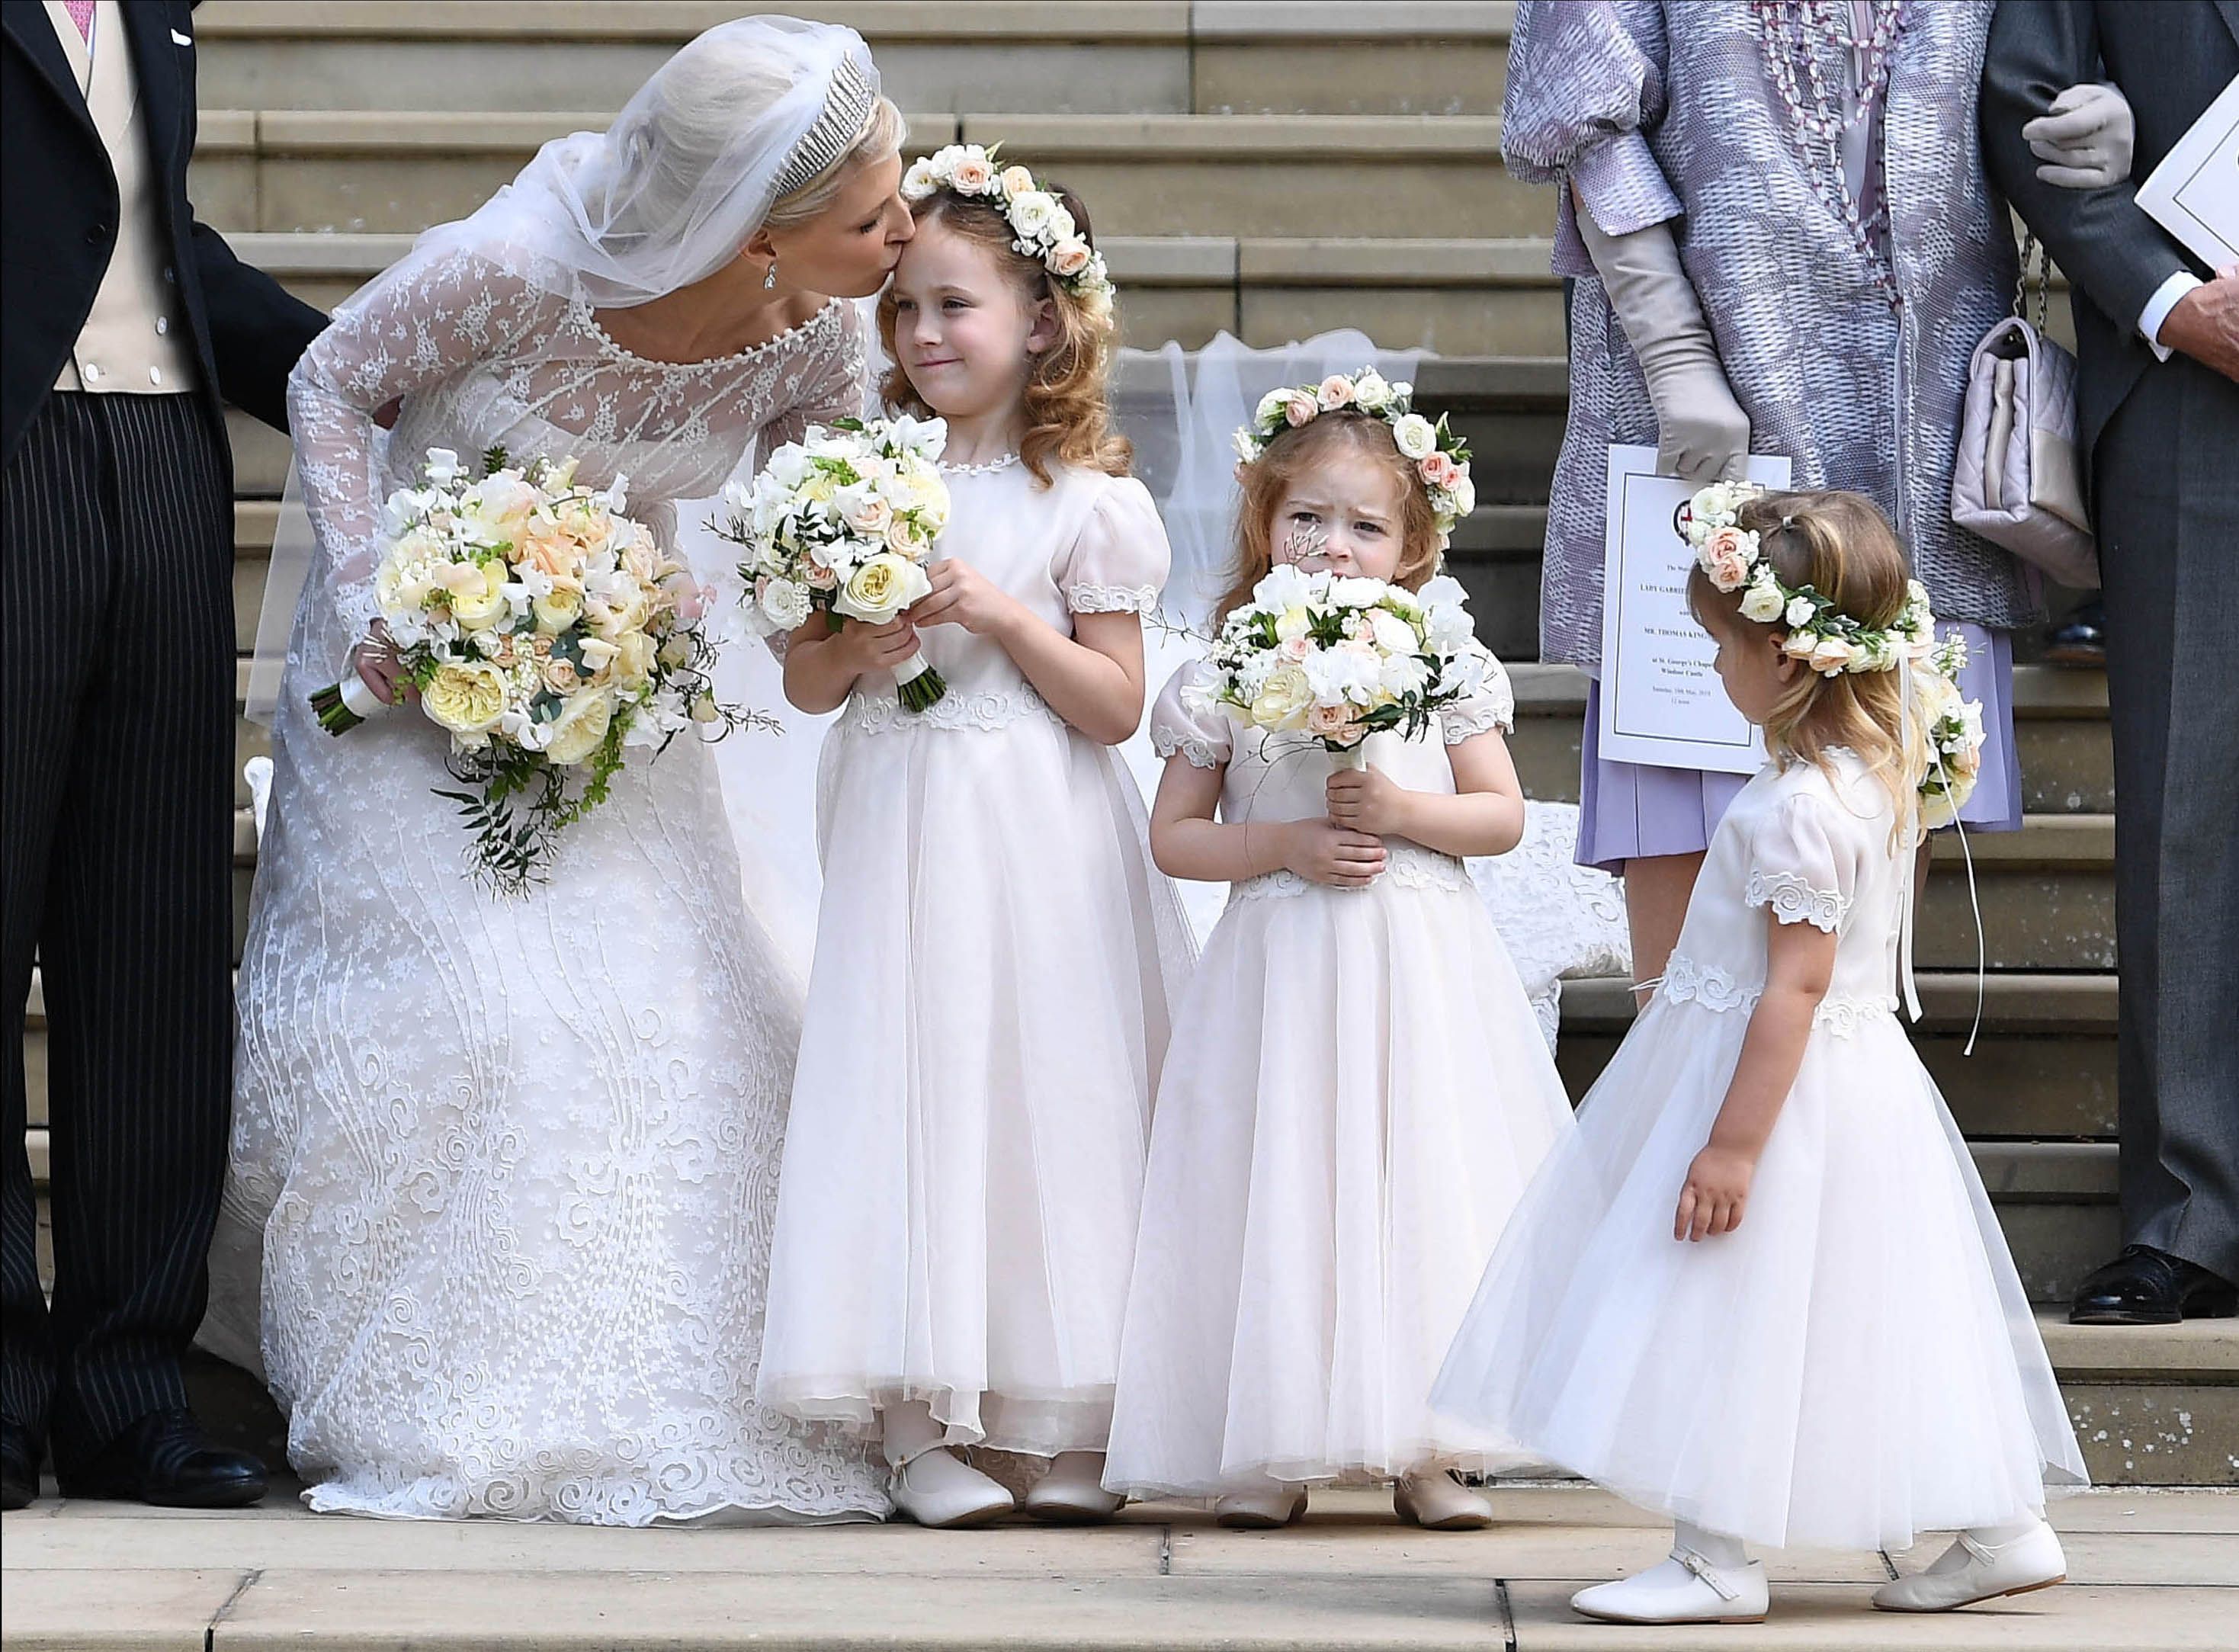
(908, 1430)
(1993, 1536)
(1713, 1546)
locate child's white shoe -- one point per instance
(936, 1487)
(1072, 1492)
(1689, 1588)
(1261, 1510)
(1973, 1569)
(1436, 1501)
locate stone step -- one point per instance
(2044, 1066)
(1468, 298)
(2152, 1405)
(2055, 1201)
(2148, 1571)
(1190, 175)
(1511, 408)
(1138, 56)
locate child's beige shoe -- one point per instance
(1434, 1500)
(936, 1487)
(1073, 1493)
(1261, 1510)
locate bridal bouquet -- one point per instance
(1955, 733)
(546, 631)
(1338, 658)
(842, 522)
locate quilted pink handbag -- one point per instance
(2018, 477)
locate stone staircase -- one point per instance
(1273, 170)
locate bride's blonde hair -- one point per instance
(1841, 546)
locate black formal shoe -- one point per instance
(19, 1468)
(166, 1459)
(2144, 1286)
(2080, 639)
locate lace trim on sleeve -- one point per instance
(1469, 718)
(1113, 598)
(1795, 901)
(1202, 753)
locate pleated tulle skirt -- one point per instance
(1358, 1095)
(1856, 1363)
(987, 1013)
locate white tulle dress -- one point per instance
(987, 1013)
(1857, 1362)
(1357, 1094)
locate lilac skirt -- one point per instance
(1632, 810)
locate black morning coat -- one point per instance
(58, 209)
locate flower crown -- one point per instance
(1440, 457)
(1819, 633)
(1040, 227)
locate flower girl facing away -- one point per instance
(988, 1004)
(1760, 1289)
(1356, 1093)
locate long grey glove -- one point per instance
(1702, 435)
(2085, 139)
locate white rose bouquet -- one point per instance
(1338, 658)
(546, 633)
(1955, 733)
(843, 522)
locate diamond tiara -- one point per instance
(847, 111)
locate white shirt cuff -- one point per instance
(2158, 306)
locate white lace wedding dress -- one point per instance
(512, 1163)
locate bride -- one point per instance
(511, 1162)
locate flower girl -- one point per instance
(988, 1003)
(1760, 1289)
(1357, 1091)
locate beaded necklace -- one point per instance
(1788, 32)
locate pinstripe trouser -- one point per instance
(115, 809)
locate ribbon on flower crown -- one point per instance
(1906, 901)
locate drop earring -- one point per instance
(769, 276)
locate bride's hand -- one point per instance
(379, 667)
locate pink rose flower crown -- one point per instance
(1041, 228)
(1439, 457)
(1819, 633)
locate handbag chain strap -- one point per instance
(2031, 246)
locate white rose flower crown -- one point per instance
(1440, 457)
(1041, 228)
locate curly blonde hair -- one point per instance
(1291, 453)
(1068, 397)
(1841, 546)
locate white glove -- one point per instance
(1702, 435)
(2085, 140)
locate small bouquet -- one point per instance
(843, 522)
(1338, 658)
(1955, 733)
(546, 633)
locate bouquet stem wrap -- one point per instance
(917, 685)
